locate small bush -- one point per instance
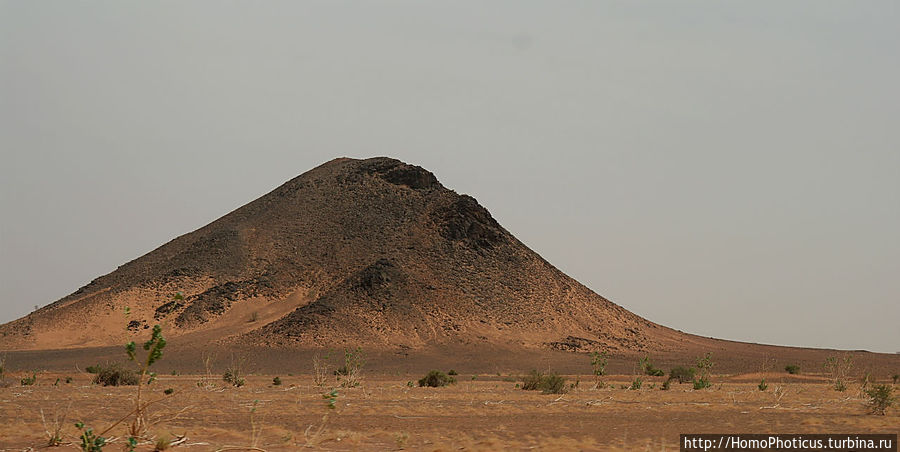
(682, 374)
(637, 383)
(68, 380)
(665, 385)
(762, 385)
(276, 381)
(115, 375)
(89, 441)
(554, 384)
(701, 383)
(895, 377)
(162, 443)
(648, 369)
(840, 386)
(93, 369)
(881, 398)
(792, 369)
(233, 377)
(436, 379)
(548, 384)
(29, 381)
(452, 372)
(169, 391)
(234, 373)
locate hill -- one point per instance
(371, 251)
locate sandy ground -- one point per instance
(480, 412)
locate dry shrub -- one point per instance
(115, 375)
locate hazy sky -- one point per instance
(729, 169)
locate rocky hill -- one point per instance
(373, 252)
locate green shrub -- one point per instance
(701, 383)
(792, 369)
(548, 384)
(436, 379)
(637, 383)
(29, 381)
(682, 374)
(276, 381)
(351, 371)
(93, 369)
(169, 391)
(89, 441)
(647, 368)
(704, 364)
(234, 373)
(233, 377)
(881, 398)
(762, 385)
(598, 366)
(554, 384)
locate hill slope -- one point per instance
(373, 251)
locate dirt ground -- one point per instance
(480, 412)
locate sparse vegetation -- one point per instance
(704, 365)
(682, 374)
(647, 368)
(763, 385)
(276, 381)
(792, 369)
(154, 348)
(234, 373)
(452, 372)
(29, 381)
(320, 370)
(93, 369)
(881, 398)
(598, 367)
(666, 384)
(114, 375)
(636, 383)
(89, 441)
(53, 427)
(207, 381)
(162, 443)
(894, 378)
(548, 384)
(864, 381)
(838, 369)
(436, 379)
(351, 371)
